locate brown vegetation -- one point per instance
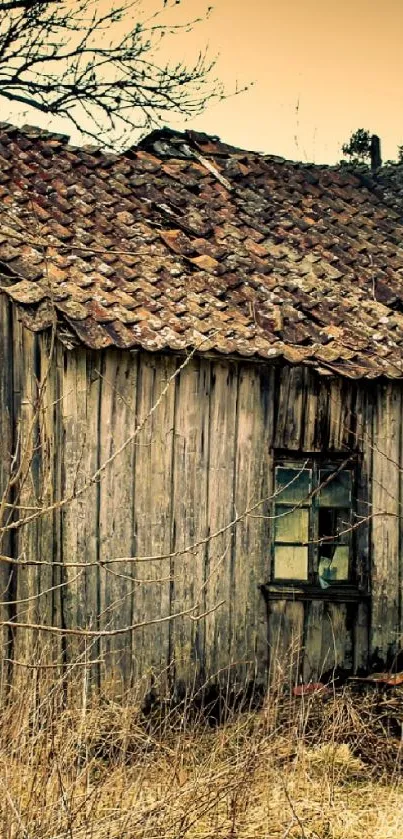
(316, 766)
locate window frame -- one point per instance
(317, 462)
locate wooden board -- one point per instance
(342, 415)
(363, 494)
(117, 580)
(285, 638)
(251, 545)
(361, 638)
(219, 557)
(152, 519)
(313, 630)
(6, 452)
(290, 399)
(27, 648)
(80, 401)
(189, 520)
(51, 649)
(385, 522)
(337, 641)
(56, 432)
(322, 416)
(312, 388)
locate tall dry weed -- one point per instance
(319, 766)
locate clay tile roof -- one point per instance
(184, 242)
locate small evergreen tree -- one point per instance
(358, 148)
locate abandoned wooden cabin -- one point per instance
(201, 363)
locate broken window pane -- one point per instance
(313, 521)
(291, 525)
(334, 523)
(334, 563)
(291, 562)
(293, 485)
(334, 551)
(337, 492)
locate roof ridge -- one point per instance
(167, 142)
(33, 131)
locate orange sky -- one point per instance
(321, 69)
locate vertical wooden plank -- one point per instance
(343, 429)
(251, 555)
(400, 630)
(34, 541)
(27, 648)
(89, 401)
(118, 423)
(6, 451)
(281, 388)
(361, 639)
(58, 575)
(73, 578)
(223, 412)
(336, 414)
(329, 646)
(275, 632)
(81, 394)
(385, 523)
(152, 515)
(312, 668)
(337, 642)
(189, 519)
(293, 431)
(363, 494)
(290, 408)
(295, 617)
(47, 405)
(349, 639)
(312, 386)
(322, 416)
(285, 632)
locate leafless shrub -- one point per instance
(98, 770)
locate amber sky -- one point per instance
(321, 68)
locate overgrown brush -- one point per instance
(325, 765)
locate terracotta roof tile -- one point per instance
(184, 241)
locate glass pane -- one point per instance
(291, 525)
(334, 565)
(336, 493)
(334, 523)
(290, 562)
(293, 485)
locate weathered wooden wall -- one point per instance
(201, 459)
(6, 448)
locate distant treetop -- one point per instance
(363, 148)
(358, 148)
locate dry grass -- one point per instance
(301, 768)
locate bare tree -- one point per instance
(99, 67)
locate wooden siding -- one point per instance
(6, 449)
(187, 484)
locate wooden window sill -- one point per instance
(341, 593)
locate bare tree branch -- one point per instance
(108, 633)
(22, 4)
(100, 69)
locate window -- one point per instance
(312, 508)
